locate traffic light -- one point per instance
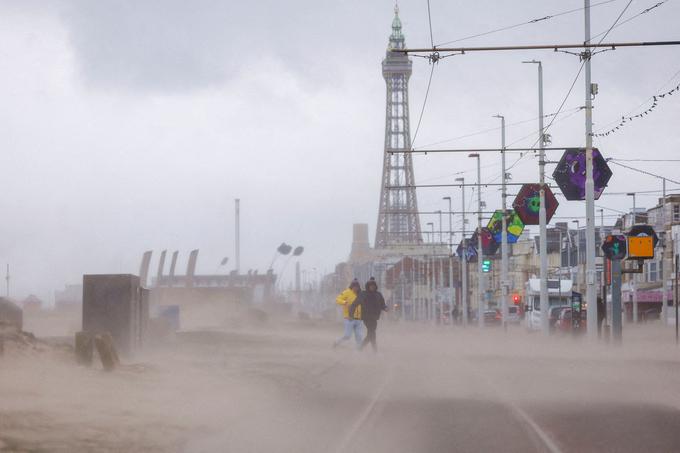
(614, 247)
(516, 299)
(486, 265)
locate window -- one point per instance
(651, 271)
(676, 213)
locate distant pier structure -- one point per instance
(398, 220)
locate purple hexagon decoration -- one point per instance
(570, 173)
(528, 203)
(470, 249)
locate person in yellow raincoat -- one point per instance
(351, 325)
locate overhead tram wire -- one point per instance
(529, 22)
(429, 20)
(422, 110)
(615, 162)
(584, 57)
(492, 129)
(433, 61)
(645, 11)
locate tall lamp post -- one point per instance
(633, 276)
(504, 231)
(480, 253)
(542, 215)
(578, 254)
(463, 267)
(451, 291)
(430, 275)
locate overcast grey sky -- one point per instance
(132, 125)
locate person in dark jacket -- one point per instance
(372, 305)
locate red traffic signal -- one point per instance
(614, 247)
(516, 299)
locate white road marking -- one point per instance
(350, 435)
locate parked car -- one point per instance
(513, 314)
(651, 314)
(564, 325)
(554, 315)
(492, 317)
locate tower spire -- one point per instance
(398, 220)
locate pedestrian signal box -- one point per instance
(486, 265)
(614, 247)
(642, 239)
(641, 247)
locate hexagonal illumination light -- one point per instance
(570, 173)
(489, 245)
(514, 225)
(470, 250)
(528, 203)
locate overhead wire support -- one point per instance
(555, 47)
(476, 150)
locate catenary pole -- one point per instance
(504, 231)
(542, 213)
(481, 290)
(464, 277)
(590, 187)
(452, 293)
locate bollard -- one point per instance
(84, 348)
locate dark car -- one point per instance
(492, 317)
(554, 314)
(564, 324)
(651, 314)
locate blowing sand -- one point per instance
(280, 387)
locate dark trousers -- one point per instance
(371, 326)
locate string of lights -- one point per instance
(521, 24)
(625, 120)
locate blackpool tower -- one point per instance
(398, 220)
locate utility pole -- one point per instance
(633, 280)
(578, 254)
(480, 253)
(7, 279)
(464, 289)
(542, 215)
(591, 290)
(237, 234)
(452, 292)
(666, 266)
(504, 232)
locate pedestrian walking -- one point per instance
(352, 325)
(372, 304)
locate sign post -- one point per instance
(614, 248)
(617, 329)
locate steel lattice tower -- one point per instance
(398, 220)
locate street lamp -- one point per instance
(441, 239)
(450, 259)
(633, 277)
(578, 254)
(480, 252)
(430, 275)
(542, 216)
(634, 221)
(504, 230)
(463, 267)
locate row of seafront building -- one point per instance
(422, 281)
